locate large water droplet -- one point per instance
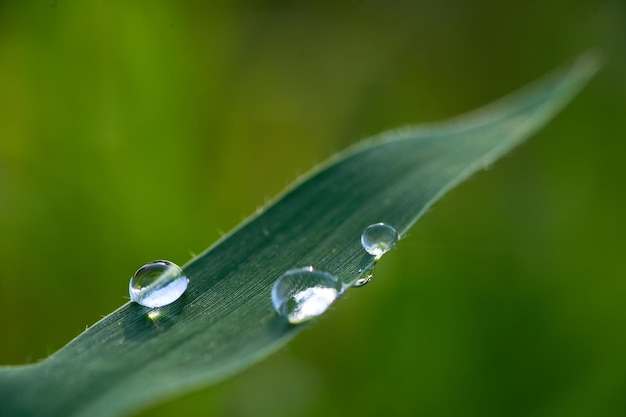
(304, 293)
(378, 238)
(157, 284)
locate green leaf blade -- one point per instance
(225, 321)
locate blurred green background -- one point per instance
(133, 131)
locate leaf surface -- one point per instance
(225, 320)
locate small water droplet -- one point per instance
(304, 293)
(377, 239)
(364, 278)
(157, 284)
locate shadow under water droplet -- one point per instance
(278, 326)
(144, 323)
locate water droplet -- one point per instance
(304, 293)
(378, 238)
(157, 284)
(364, 278)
